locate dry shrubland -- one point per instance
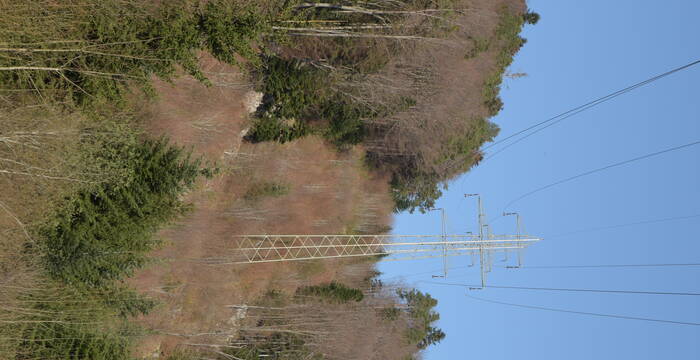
(413, 82)
(395, 96)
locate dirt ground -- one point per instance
(328, 192)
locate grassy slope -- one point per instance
(299, 165)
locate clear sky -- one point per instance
(581, 50)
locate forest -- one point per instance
(136, 137)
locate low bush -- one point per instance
(57, 340)
(268, 128)
(420, 309)
(279, 346)
(301, 99)
(57, 323)
(265, 189)
(508, 37)
(389, 313)
(479, 45)
(291, 88)
(333, 292)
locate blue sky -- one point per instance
(581, 50)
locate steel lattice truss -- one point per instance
(274, 248)
(483, 244)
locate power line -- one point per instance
(601, 169)
(532, 133)
(491, 156)
(426, 272)
(625, 225)
(576, 110)
(595, 102)
(554, 267)
(582, 312)
(606, 266)
(571, 290)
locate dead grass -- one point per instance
(208, 119)
(37, 161)
(328, 192)
(451, 97)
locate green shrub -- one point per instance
(479, 45)
(59, 323)
(279, 346)
(531, 17)
(464, 147)
(420, 309)
(126, 301)
(291, 87)
(345, 122)
(260, 190)
(333, 292)
(268, 128)
(292, 92)
(101, 234)
(297, 94)
(507, 36)
(229, 29)
(183, 354)
(115, 44)
(55, 340)
(419, 191)
(389, 313)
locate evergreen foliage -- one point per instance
(265, 189)
(334, 292)
(297, 95)
(313, 89)
(390, 313)
(420, 309)
(117, 43)
(414, 188)
(91, 53)
(346, 121)
(508, 37)
(411, 192)
(274, 129)
(56, 340)
(278, 346)
(531, 17)
(103, 233)
(65, 323)
(291, 88)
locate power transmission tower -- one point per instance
(278, 248)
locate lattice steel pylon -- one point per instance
(277, 248)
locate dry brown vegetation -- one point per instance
(327, 191)
(414, 82)
(439, 137)
(355, 330)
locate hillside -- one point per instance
(131, 156)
